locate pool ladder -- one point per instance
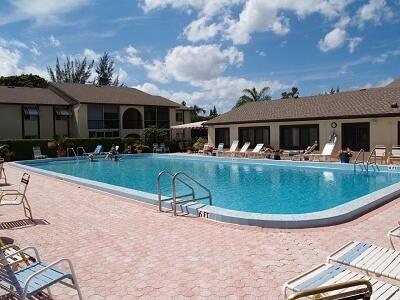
(76, 153)
(181, 177)
(371, 161)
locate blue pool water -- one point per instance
(261, 187)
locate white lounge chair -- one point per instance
(327, 281)
(156, 148)
(205, 148)
(2, 171)
(37, 153)
(381, 153)
(255, 151)
(306, 152)
(394, 154)
(243, 150)
(217, 150)
(326, 152)
(18, 197)
(369, 258)
(32, 279)
(232, 149)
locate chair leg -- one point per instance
(50, 294)
(4, 174)
(27, 208)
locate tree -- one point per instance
(293, 93)
(24, 80)
(105, 71)
(155, 134)
(213, 112)
(73, 71)
(251, 95)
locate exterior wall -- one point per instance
(80, 121)
(61, 127)
(46, 122)
(187, 118)
(10, 121)
(125, 132)
(383, 131)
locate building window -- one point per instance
(62, 113)
(179, 117)
(101, 134)
(254, 135)
(132, 119)
(298, 137)
(156, 116)
(103, 116)
(31, 112)
(355, 136)
(222, 136)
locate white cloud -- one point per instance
(54, 42)
(334, 39)
(262, 16)
(122, 75)
(261, 53)
(353, 43)
(374, 11)
(132, 56)
(368, 85)
(42, 12)
(9, 61)
(384, 56)
(32, 69)
(200, 30)
(157, 71)
(12, 43)
(91, 54)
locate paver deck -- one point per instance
(122, 249)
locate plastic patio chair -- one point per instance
(36, 277)
(18, 197)
(217, 150)
(2, 171)
(37, 153)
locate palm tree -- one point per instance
(252, 95)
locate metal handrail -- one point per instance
(73, 151)
(175, 178)
(356, 162)
(372, 154)
(171, 198)
(83, 151)
(364, 292)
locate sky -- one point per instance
(205, 52)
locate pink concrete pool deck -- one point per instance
(122, 249)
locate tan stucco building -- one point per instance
(360, 119)
(84, 111)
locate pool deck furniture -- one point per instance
(217, 150)
(156, 148)
(164, 148)
(255, 151)
(37, 153)
(19, 260)
(369, 258)
(18, 197)
(393, 233)
(328, 280)
(394, 154)
(2, 171)
(231, 150)
(305, 153)
(36, 277)
(205, 148)
(381, 153)
(325, 154)
(242, 151)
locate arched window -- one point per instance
(132, 119)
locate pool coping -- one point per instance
(339, 214)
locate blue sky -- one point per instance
(207, 51)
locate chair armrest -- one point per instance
(13, 193)
(46, 268)
(391, 232)
(23, 250)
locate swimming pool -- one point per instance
(243, 186)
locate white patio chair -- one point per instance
(205, 148)
(307, 152)
(164, 148)
(220, 148)
(2, 171)
(327, 281)
(32, 279)
(325, 154)
(37, 153)
(18, 197)
(232, 149)
(394, 154)
(381, 153)
(243, 150)
(255, 151)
